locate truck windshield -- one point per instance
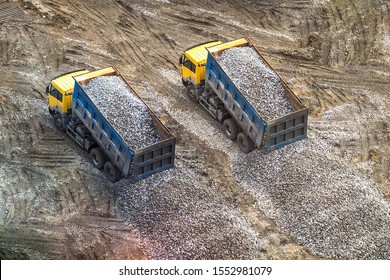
(188, 64)
(56, 94)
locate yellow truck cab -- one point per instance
(59, 96)
(193, 64)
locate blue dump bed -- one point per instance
(133, 164)
(274, 133)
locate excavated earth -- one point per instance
(326, 197)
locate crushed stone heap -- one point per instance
(257, 81)
(127, 114)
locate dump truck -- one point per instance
(76, 112)
(210, 85)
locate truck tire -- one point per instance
(231, 129)
(190, 89)
(245, 143)
(98, 158)
(112, 172)
(58, 123)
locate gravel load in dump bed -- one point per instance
(124, 110)
(257, 81)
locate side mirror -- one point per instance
(48, 87)
(181, 59)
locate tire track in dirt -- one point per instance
(64, 200)
(35, 50)
(104, 239)
(8, 11)
(361, 47)
(143, 42)
(344, 34)
(18, 198)
(333, 87)
(39, 200)
(4, 48)
(23, 246)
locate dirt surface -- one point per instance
(335, 56)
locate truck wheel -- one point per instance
(192, 93)
(245, 143)
(231, 129)
(112, 172)
(98, 158)
(58, 123)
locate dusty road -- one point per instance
(334, 54)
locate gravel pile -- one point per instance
(124, 110)
(259, 83)
(323, 201)
(178, 220)
(310, 188)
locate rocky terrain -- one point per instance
(324, 197)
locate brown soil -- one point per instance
(55, 205)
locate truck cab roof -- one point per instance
(65, 83)
(198, 53)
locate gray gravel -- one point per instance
(258, 83)
(324, 202)
(178, 220)
(124, 110)
(310, 188)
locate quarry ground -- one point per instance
(324, 197)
